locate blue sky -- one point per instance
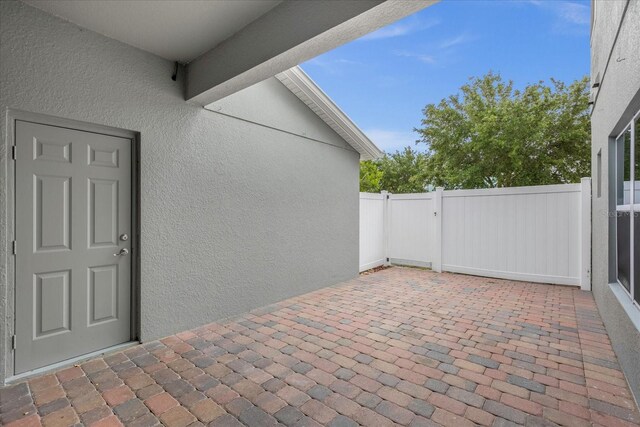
(384, 79)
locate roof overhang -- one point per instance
(301, 85)
(287, 35)
(230, 45)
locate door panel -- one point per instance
(103, 212)
(73, 202)
(52, 213)
(52, 300)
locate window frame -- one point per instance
(633, 206)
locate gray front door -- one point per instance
(73, 208)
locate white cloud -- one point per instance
(575, 13)
(427, 59)
(439, 52)
(392, 140)
(332, 66)
(570, 16)
(398, 30)
(460, 39)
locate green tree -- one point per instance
(370, 176)
(404, 172)
(401, 172)
(492, 135)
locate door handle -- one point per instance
(123, 251)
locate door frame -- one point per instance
(8, 204)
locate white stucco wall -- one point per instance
(618, 98)
(235, 215)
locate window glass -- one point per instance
(636, 213)
(636, 149)
(623, 208)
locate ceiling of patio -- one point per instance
(176, 30)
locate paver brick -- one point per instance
(87, 402)
(118, 395)
(49, 394)
(110, 421)
(342, 421)
(401, 346)
(394, 412)
(510, 388)
(53, 406)
(503, 411)
(344, 406)
(161, 403)
(269, 402)
(436, 385)
(61, 418)
(95, 415)
(130, 410)
(465, 396)
(367, 417)
(318, 411)
(236, 406)
(69, 374)
(420, 407)
(177, 417)
(365, 383)
(526, 383)
(147, 392)
(289, 415)
(479, 416)
(524, 405)
(395, 396)
(344, 388)
(445, 418)
(27, 421)
(447, 403)
(292, 396)
(254, 416)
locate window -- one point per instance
(636, 210)
(599, 173)
(627, 198)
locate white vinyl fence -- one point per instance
(539, 234)
(372, 245)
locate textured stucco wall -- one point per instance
(235, 215)
(617, 99)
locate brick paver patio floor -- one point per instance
(400, 346)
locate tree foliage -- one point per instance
(370, 176)
(401, 172)
(404, 171)
(492, 135)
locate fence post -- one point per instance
(585, 234)
(437, 213)
(385, 225)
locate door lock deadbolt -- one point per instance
(124, 237)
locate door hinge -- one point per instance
(13, 342)
(15, 247)
(14, 149)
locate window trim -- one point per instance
(633, 306)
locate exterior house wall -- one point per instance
(239, 208)
(615, 63)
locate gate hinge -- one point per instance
(13, 342)
(15, 247)
(14, 149)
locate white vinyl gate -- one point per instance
(539, 234)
